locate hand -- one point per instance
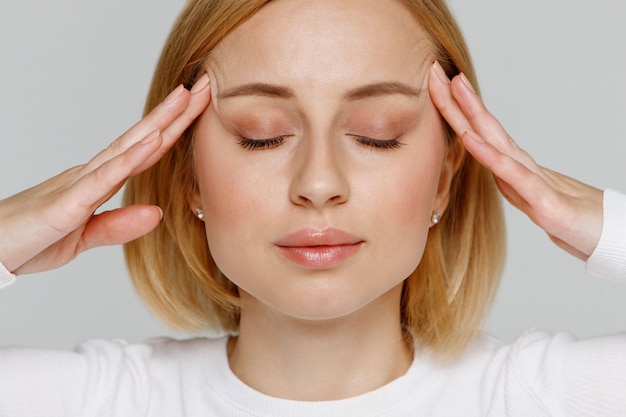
(568, 210)
(50, 224)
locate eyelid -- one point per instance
(260, 144)
(383, 144)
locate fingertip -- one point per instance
(467, 84)
(151, 137)
(471, 136)
(476, 145)
(201, 85)
(439, 72)
(463, 91)
(200, 95)
(174, 95)
(160, 212)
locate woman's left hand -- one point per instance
(568, 210)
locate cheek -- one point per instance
(406, 200)
(226, 187)
(237, 200)
(409, 183)
(409, 205)
(409, 188)
(231, 197)
(230, 206)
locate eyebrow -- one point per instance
(359, 93)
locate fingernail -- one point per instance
(152, 136)
(473, 136)
(200, 84)
(441, 74)
(467, 83)
(160, 211)
(174, 94)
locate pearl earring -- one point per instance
(200, 213)
(436, 218)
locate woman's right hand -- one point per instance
(48, 225)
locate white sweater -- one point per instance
(540, 374)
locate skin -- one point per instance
(319, 177)
(569, 211)
(59, 221)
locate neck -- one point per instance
(321, 360)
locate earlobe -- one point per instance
(195, 205)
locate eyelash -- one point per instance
(384, 145)
(260, 144)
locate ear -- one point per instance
(451, 164)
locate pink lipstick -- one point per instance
(319, 248)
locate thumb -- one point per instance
(121, 225)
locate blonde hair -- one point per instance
(443, 301)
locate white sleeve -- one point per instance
(558, 375)
(99, 378)
(608, 260)
(6, 278)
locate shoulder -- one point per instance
(549, 372)
(538, 351)
(155, 362)
(107, 377)
(128, 376)
(160, 350)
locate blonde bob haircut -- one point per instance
(443, 301)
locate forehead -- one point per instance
(324, 43)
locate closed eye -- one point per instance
(259, 144)
(383, 144)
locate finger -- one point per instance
(179, 109)
(77, 204)
(200, 99)
(158, 119)
(480, 119)
(62, 205)
(120, 226)
(485, 124)
(462, 108)
(108, 228)
(99, 185)
(521, 186)
(464, 111)
(441, 95)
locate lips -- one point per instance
(319, 248)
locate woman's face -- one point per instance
(321, 158)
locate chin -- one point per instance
(331, 303)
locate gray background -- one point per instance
(74, 76)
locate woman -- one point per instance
(322, 210)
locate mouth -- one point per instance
(319, 248)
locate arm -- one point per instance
(544, 374)
(98, 378)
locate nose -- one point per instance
(319, 179)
